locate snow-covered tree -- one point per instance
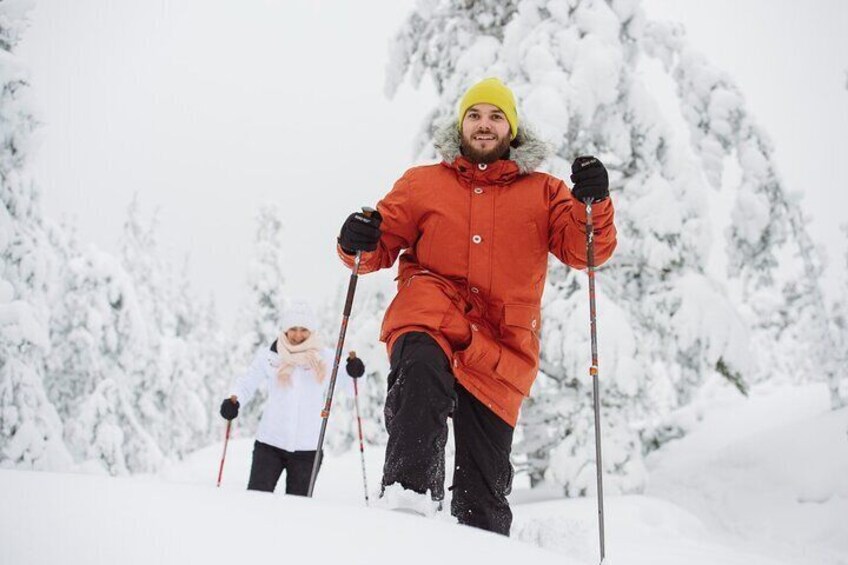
(67, 317)
(212, 359)
(265, 281)
(261, 315)
(769, 251)
(180, 374)
(30, 428)
(684, 297)
(838, 384)
(112, 363)
(99, 336)
(556, 432)
(133, 367)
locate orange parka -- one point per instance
(473, 242)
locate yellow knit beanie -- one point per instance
(491, 91)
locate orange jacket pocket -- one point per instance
(482, 354)
(519, 358)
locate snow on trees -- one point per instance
(261, 317)
(30, 427)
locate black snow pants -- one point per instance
(269, 463)
(422, 394)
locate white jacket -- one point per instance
(292, 416)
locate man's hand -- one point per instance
(354, 366)
(590, 179)
(360, 232)
(230, 408)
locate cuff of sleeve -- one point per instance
(346, 259)
(600, 210)
(368, 263)
(345, 251)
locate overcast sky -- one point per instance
(208, 108)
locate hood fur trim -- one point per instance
(528, 153)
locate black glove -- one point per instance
(590, 179)
(355, 367)
(229, 409)
(360, 232)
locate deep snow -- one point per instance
(758, 481)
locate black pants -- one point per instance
(422, 394)
(268, 465)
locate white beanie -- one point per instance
(298, 314)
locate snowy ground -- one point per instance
(762, 481)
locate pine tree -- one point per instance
(151, 373)
(132, 355)
(111, 363)
(30, 428)
(265, 280)
(770, 252)
(260, 318)
(838, 382)
(212, 353)
(172, 374)
(99, 333)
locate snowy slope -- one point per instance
(760, 481)
(770, 472)
(92, 519)
(85, 519)
(757, 480)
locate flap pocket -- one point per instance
(482, 354)
(517, 369)
(518, 363)
(523, 316)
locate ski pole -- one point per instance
(593, 370)
(359, 426)
(325, 413)
(224, 455)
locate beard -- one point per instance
(476, 156)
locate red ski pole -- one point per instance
(224, 455)
(359, 426)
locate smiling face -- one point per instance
(485, 133)
(297, 335)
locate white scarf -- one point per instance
(306, 354)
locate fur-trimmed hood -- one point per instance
(528, 153)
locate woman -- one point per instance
(296, 369)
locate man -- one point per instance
(295, 369)
(463, 330)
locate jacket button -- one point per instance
(533, 324)
(474, 327)
(476, 239)
(455, 363)
(478, 190)
(482, 166)
(475, 290)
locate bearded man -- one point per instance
(473, 234)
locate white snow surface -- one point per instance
(757, 481)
